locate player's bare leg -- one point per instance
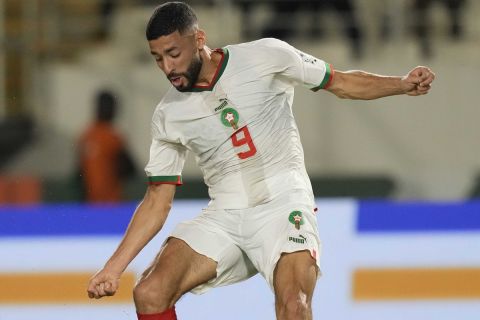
(294, 281)
(176, 270)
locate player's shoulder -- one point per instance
(265, 50)
(173, 104)
(264, 45)
(263, 42)
(159, 114)
(171, 97)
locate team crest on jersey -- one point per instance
(230, 117)
(296, 218)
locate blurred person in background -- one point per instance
(422, 22)
(104, 160)
(347, 15)
(232, 107)
(107, 9)
(284, 23)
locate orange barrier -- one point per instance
(20, 190)
(54, 288)
(414, 284)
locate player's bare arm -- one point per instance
(366, 86)
(147, 221)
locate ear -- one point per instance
(201, 39)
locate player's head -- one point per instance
(170, 17)
(175, 41)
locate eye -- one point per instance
(175, 55)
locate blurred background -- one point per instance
(58, 55)
(77, 91)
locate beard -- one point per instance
(191, 74)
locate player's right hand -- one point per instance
(103, 283)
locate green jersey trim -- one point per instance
(327, 80)
(177, 180)
(220, 69)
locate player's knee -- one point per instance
(142, 292)
(149, 297)
(293, 305)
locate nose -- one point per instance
(168, 66)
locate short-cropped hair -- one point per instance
(170, 17)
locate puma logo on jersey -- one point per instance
(221, 106)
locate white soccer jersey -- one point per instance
(240, 127)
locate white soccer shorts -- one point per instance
(246, 241)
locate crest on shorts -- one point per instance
(296, 219)
(230, 117)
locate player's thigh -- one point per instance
(176, 269)
(295, 276)
(278, 228)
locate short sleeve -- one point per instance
(167, 157)
(166, 163)
(300, 67)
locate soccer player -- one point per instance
(232, 107)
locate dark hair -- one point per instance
(106, 106)
(170, 17)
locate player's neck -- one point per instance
(210, 60)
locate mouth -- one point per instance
(176, 81)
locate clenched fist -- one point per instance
(103, 283)
(418, 81)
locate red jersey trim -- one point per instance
(218, 73)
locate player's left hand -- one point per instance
(418, 81)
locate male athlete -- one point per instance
(232, 107)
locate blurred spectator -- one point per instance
(107, 9)
(351, 27)
(104, 160)
(284, 23)
(475, 191)
(422, 22)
